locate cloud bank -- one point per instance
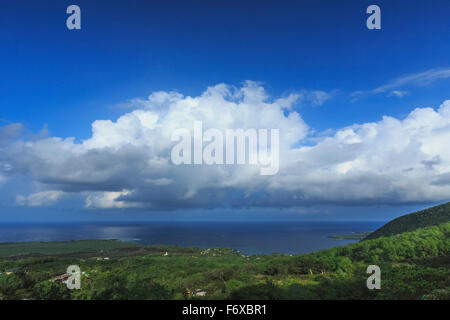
(126, 163)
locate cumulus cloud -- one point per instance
(126, 163)
(386, 162)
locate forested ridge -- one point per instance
(413, 221)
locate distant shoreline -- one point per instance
(352, 236)
(250, 238)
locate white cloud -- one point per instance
(418, 79)
(318, 97)
(398, 93)
(108, 200)
(390, 161)
(126, 163)
(415, 79)
(39, 199)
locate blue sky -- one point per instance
(65, 80)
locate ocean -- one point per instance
(247, 237)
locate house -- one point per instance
(11, 271)
(61, 278)
(100, 258)
(200, 293)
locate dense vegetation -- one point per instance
(413, 221)
(414, 265)
(61, 247)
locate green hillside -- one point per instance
(413, 221)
